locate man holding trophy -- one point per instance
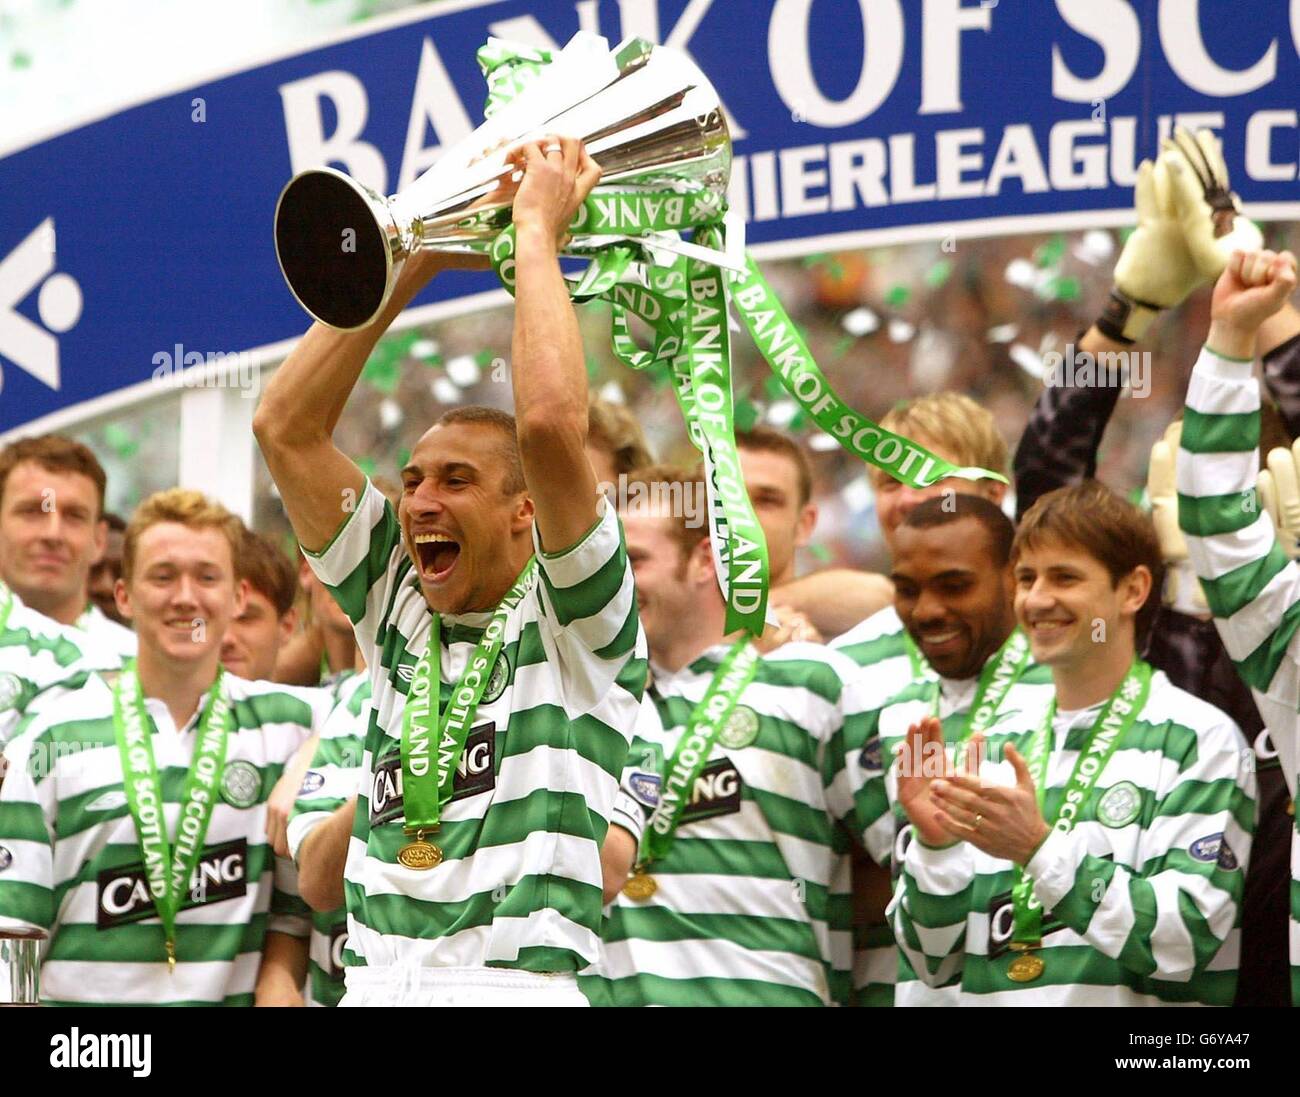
(497, 615)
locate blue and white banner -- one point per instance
(140, 243)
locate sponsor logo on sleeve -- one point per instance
(123, 892)
(475, 773)
(241, 784)
(872, 757)
(1213, 849)
(312, 781)
(645, 788)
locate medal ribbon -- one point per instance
(428, 768)
(168, 868)
(707, 720)
(1103, 738)
(6, 604)
(1000, 672)
(686, 303)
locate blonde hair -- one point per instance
(954, 422)
(613, 429)
(191, 509)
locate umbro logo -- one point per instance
(29, 346)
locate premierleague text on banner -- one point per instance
(855, 122)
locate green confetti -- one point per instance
(593, 369)
(820, 553)
(403, 458)
(120, 440)
(799, 422)
(772, 387)
(21, 60)
(382, 373)
(938, 274)
(402, 342)
(1065, 289)
(366, 465)
(485, 358)
(898, 296)
(1050, 253)
(816, 259)
(746, 415)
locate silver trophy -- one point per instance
(20, 952)
(647, 115)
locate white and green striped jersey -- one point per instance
(1141, 900)
(70, 859)
(327, 786)
(1251, 586)
(37, 652)
(864, 786)
(878, 646)
(752, 905)
(520, 884)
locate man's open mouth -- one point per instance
(437, 553)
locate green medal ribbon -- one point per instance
(428, 769)
(169, 868)
(686, 303)
(1103, 739)
(706, 722)
(6, 604)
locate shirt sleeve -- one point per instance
(638, 790)
(290, 913)
(334, 774)
(358, 564)
(929, 911)
(589, 625)
(1167, 919)
(1250, 585)
(28, 809)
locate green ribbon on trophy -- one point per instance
(686, 301)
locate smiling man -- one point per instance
(133, 813)
(53, 532)
(496, 614)
(1111, 873)
(953, 591)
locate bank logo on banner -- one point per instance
(27, 345)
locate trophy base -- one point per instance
(336, 243)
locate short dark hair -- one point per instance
(761, 439)
(54, 453)
(943, 510)
(1105, 525)
(504, 423)
(660, 483)
(115, 522)
(268, 571)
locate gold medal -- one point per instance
(640, 886)
(420, 855)
(1025, 968)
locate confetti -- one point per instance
(822, 442)
(1051, 253)
(121, 440)
(938, 274)
(1003, 333)
(1028, 360)
(857, 494)
(897, 297)
(424, 348)
(820, 553)
(860, 322)
(382, 372)
(900, 331)
(782, 413)
(1095, 248)
(390, 414)
(366, 465)
(444, 391)
(747, 414)
(1064, 289)
(1021, 273)
(463, 370)
(612, 393)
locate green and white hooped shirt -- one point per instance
(326, 786)
(520, 882)
(1140, 898)
(71, 861)
(752, 899)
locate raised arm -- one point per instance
(295, 420)
(549, 371)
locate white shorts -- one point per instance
(458, 986)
